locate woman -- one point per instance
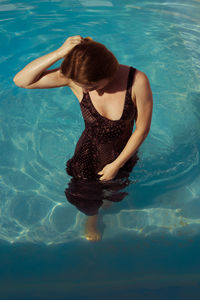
(112, 96)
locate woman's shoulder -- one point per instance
(140, 79)
(140, 83)
(138, 75)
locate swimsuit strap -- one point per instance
(130, 78)
(128, 87)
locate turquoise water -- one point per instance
(150, 240)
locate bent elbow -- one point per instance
(18, 82)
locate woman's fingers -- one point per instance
(103, 177)
(73, 40)
(70, 43)
(100, 173)
(76, 38)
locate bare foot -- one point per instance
(91, 231)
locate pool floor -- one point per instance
(138, 268)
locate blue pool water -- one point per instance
(150, 241)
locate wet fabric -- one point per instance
(88, 195)
(100, 144)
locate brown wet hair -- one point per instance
(89, 62)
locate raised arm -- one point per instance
(36, 75)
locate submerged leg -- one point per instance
(91, 231)
(106, 204)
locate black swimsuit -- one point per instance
(100, 144)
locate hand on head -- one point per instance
(70, 43)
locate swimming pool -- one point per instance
(150, 241)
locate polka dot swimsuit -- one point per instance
(103, 139)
